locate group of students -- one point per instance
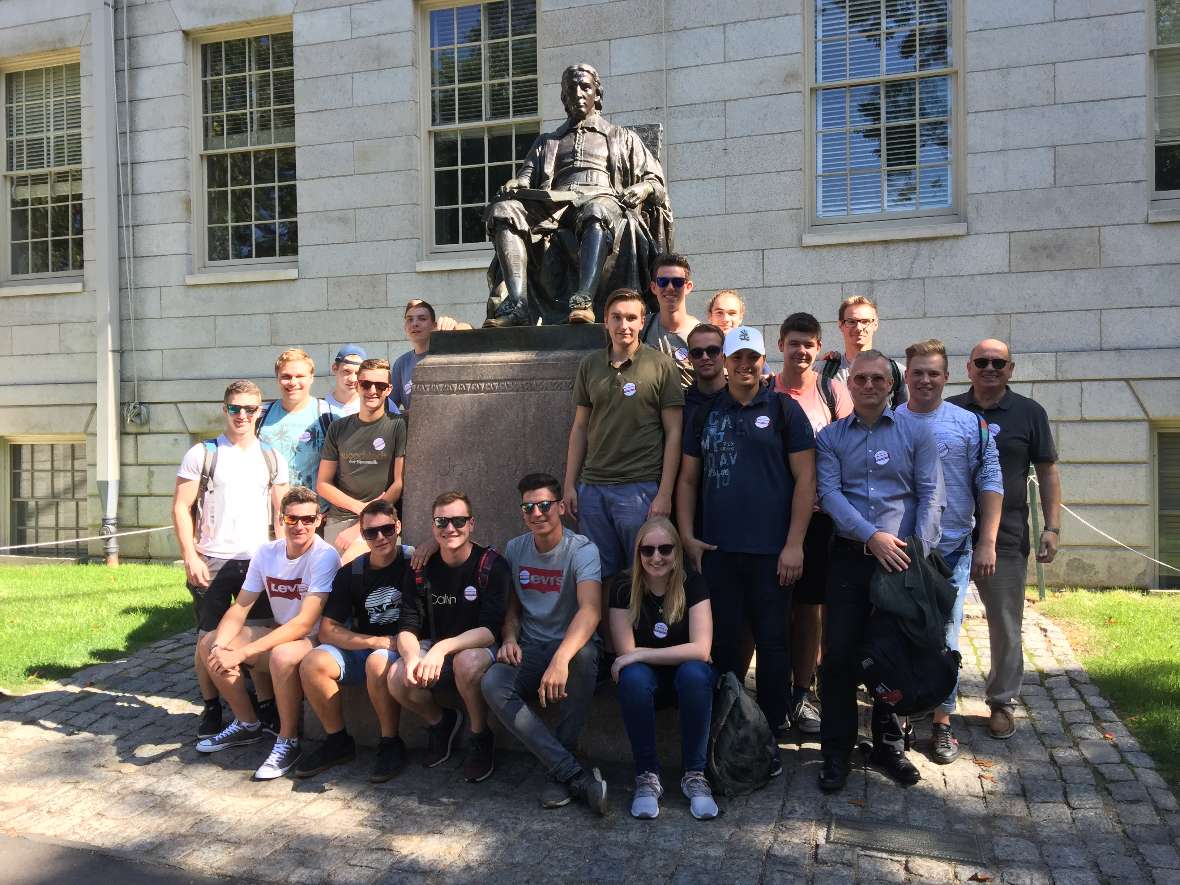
(788, 492)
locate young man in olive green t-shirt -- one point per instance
(624, 443)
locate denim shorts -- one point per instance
(351, 662)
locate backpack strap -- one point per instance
(897, 383)
(827, 392)
(647, 326)
(266, 407)
(985, 435)
(484, 571)
(326, 416)
(208, 465)
(831, 367)
(272, 461)
(422, 586)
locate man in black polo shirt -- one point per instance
(751, 458)
(1021, 430)
(448, 638)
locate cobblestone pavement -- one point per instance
(106, 759)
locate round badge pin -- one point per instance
(943, 449)
(629, 389)
(524, 577)
(469, 593)
(408, 387)
(881, 457)
(660, 630)
(379, 444)
(681, 354)
(994, 429)
(762, 422)
(305, 436)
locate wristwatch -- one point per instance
(1054, 531)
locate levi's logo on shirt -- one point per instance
(285, 588)
(543, 580)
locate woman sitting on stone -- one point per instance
(662, 627)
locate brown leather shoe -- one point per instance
(582, 315)
(1002, 724)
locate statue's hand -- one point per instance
(635, 195)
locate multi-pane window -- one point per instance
(1167, 95)
(43, 169)
(48, 495)
(248, 148)
(484, 111)
(883, 93)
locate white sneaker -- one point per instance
(648, 790)
(282, 759)
(699, 794)
(236, 734)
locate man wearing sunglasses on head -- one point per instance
(358, 637)
(549, 650)
(227, 491)
(1024, 438)
(667, 329)
(362, 460)
(295, 574)
(448, 638)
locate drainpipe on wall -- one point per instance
(106, 270)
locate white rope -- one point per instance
(71, 541)
(1112, 538)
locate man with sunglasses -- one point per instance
(550, 650)
(1024, 438)
(881, 482)
(704, 352)
(858, 323)
(666, 330)
(448, 638)
(232, 476)
(750, 459)
(358, 636)
(295, 574)
(362, 460)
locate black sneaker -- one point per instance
(776, 763)
(441, 738)
(555, 794)
(589, 787)
(336, 750)
(211, 719)
(480, 760)
(391, 759)
(268, 715)
(833, 773)
(944, 746)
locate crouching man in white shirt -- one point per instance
(296, 576)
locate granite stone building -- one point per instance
(192, 186)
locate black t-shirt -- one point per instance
(371, 603)
(1023, 436)
(653, 629)
(457, 602)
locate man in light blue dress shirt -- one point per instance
(880, 480)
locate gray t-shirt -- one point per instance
(365, 456)
(674, 346)
(401, 376)
(547, 583)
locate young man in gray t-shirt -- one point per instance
(549, 648)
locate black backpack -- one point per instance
(908, 677)
(741, 745)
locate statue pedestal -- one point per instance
(490, 405)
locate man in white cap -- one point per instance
(750, 456)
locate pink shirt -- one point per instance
(812, 401)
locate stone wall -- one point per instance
(1059, 258)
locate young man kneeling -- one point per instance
(296, 575)
(368, 594)
(448, 637)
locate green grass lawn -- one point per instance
(1130, 645)
(55, 619)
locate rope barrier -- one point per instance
(72, 541)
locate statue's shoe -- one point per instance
(582, 315)
(581, 308)
(517, 316)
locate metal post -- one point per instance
(106, 269)
(1034, 507)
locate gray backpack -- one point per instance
(741, 744)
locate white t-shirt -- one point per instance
(287, 581)
(342, 410)
(235, 515)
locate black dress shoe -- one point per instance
(833, 774)
(895, 764)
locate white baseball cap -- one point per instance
(744, 338)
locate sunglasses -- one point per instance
(866, 380)
(541, 506)
(712, 351)
(385, 531)
(295, 520)
(674, 282)
(440, 522)
(982, 362)
(250, 411)
(647, 551)
(379, 386)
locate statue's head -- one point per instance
(575, 74)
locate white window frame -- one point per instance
(6, 443)
(1164, 205)
(454, 255)
(10, 66)
(199, 190)
(912, 224)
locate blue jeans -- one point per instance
(960, 561)
(610, 516)
(643, 688)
